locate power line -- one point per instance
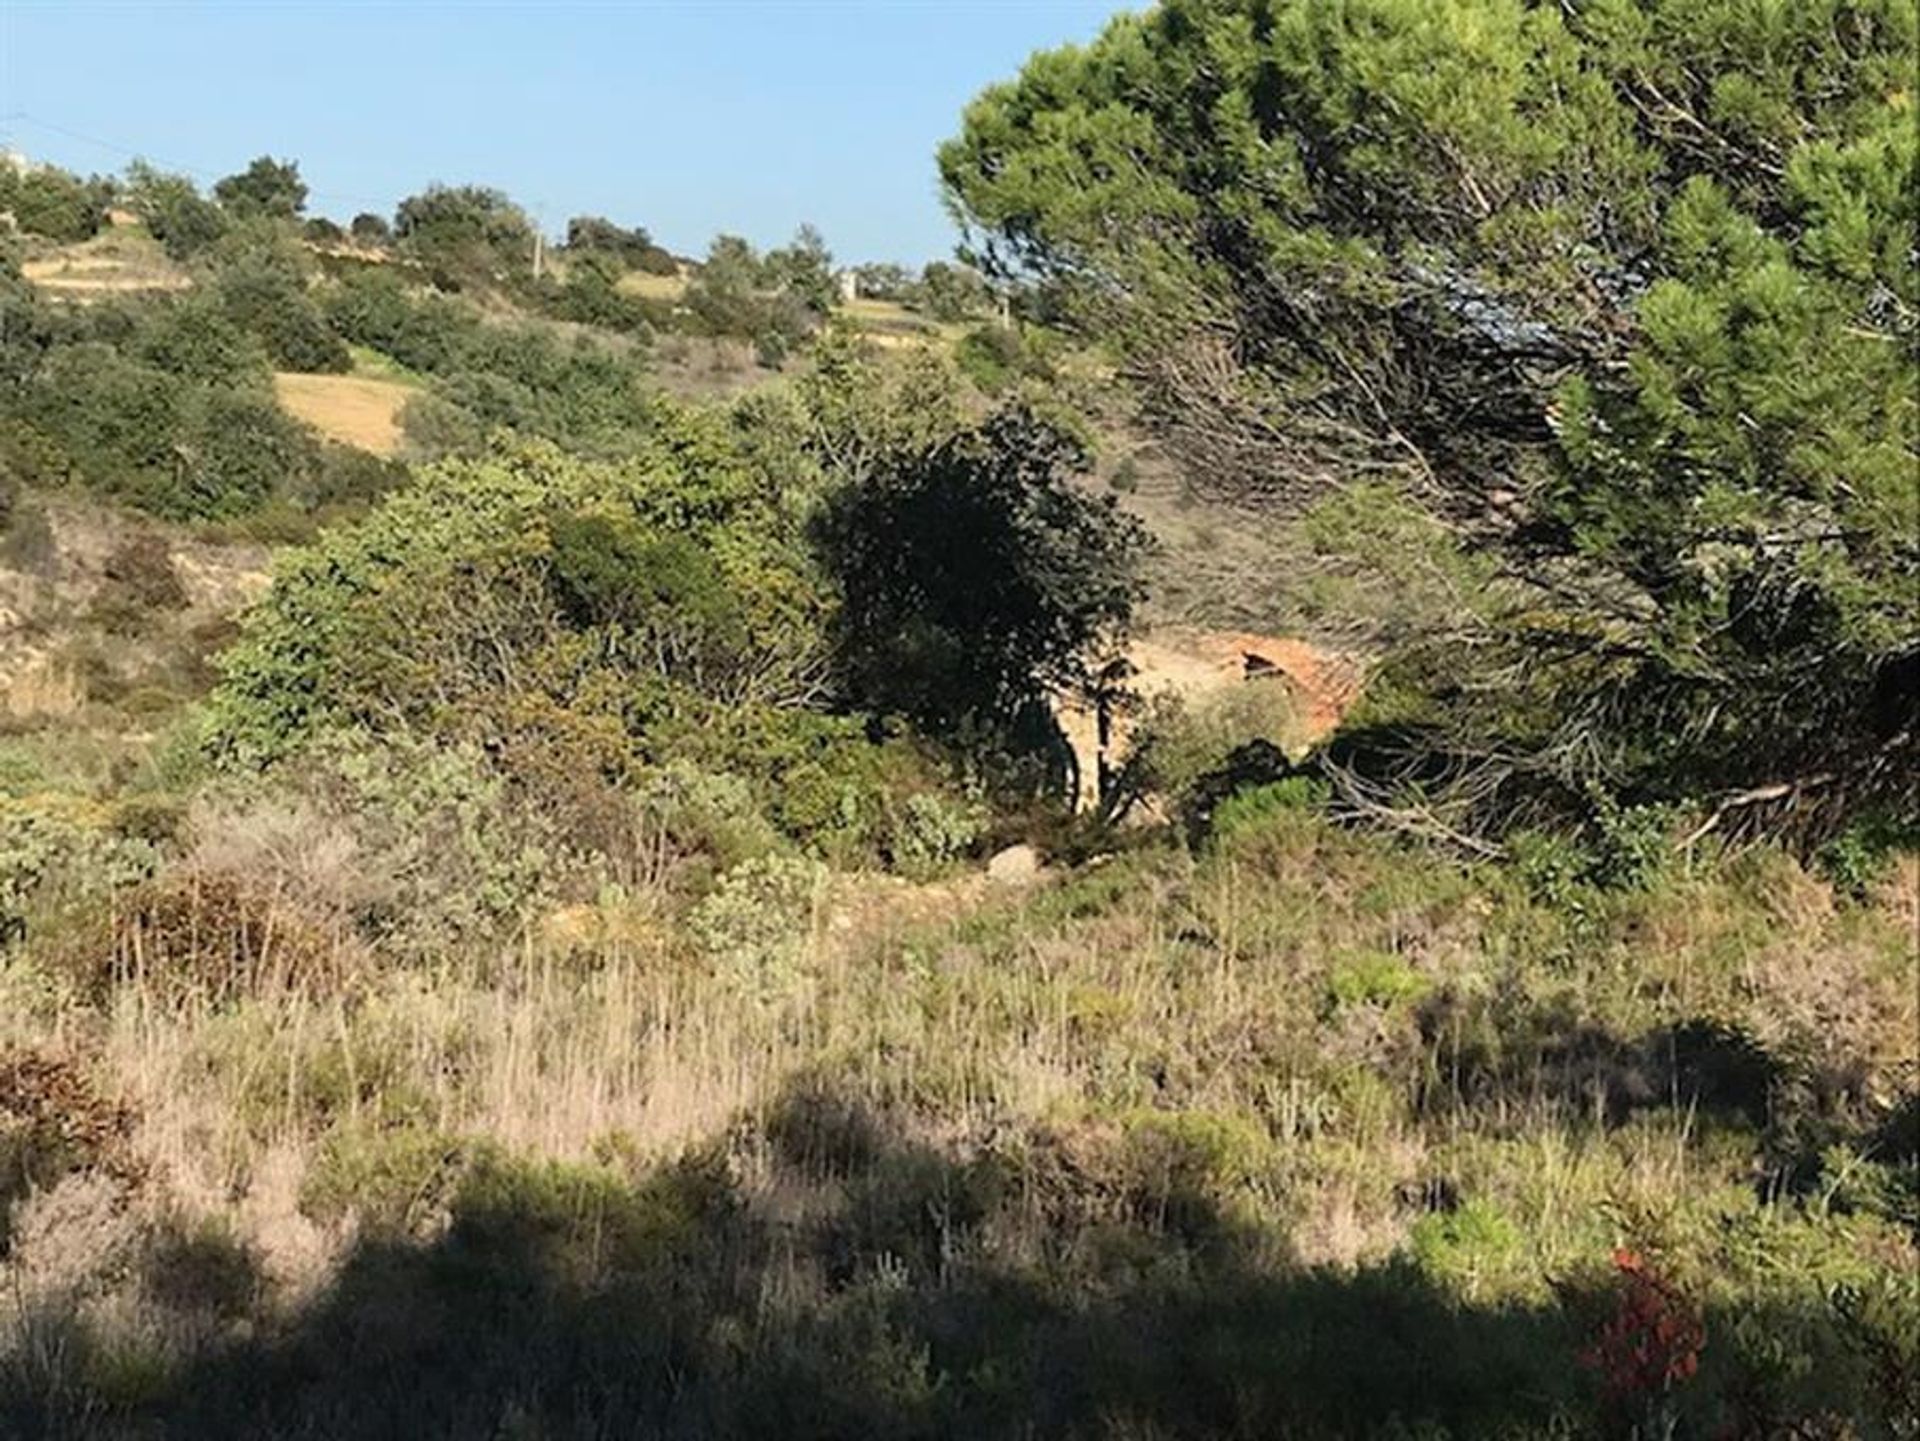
(199, 171)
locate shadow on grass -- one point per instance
(822, 1277)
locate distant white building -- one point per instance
(18, 163)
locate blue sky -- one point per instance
(741, 115)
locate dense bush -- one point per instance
(53, 203)
(583, 391)
(264, 291)
(60, 862)
(204, 440)
(196, 337)
(589, 235)
(173, 210)
(975, 580)
(465, 233)
(542, 605)
(591, 618)
(773, 300)
(267, 189)
(369, 229)
(590, 295)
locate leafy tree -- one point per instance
(369, 229)
(634, 249)
(803, 269)
(737, 292)
(952, 292)
(263, 289)
(526, 586)
(267, 189)
(322, 231)
(884, 281)
(194, 337)
(975, 580)
(724, 294)
(53, 203)
(596, 232)
(1621, 293)
(173, 210)
(466, 231)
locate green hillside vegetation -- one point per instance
(583, 929)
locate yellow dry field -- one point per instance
(653, 287)
(351, 409)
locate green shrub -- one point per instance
(757, 924)
(1555, 869)
(1863, 853)
(173, 210)
(931, 831)
(180, 447)
(1247, 811)
(1467, 1247)
(59, 857)
(196, 338)
(990, 356)
(264, 292)
(392, 1178)
(707, 812)
(53, 203)
(1375, 978)
(1633, 850)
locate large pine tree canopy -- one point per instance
(1620, 292)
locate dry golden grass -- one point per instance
(653, 287)
(351, 409)
(1135, 1014)
(42, 688)
(892, 326)
(962, 1001)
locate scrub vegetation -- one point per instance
(581, 904)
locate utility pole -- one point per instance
(539, 245)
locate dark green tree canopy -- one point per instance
(54, 203)
(370, 229)
(183, 220)
(802, 269)
(466, 230)
(634, 248)
(267, 188)
(1622, 291)
(975, 580)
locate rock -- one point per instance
(1015, 866)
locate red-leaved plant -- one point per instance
(1647, 1348)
